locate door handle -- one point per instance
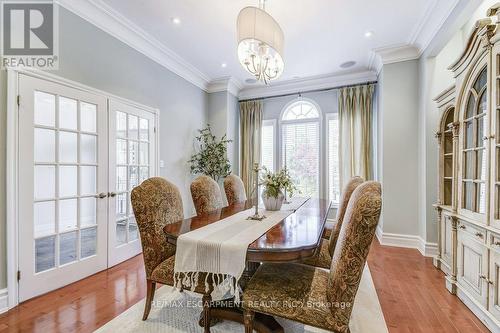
(100, 195)
(112, 194)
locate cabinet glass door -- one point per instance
(495, 172)
(475, 148)
(132, 161)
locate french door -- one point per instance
(62, 182)
(78, 161)
(131, 141)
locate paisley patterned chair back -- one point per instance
(206, 195)
(156, 203)
(344, 201)
(235, 190)
(356, 235)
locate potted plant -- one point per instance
(273, 186)
(211, 158)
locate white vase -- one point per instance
(272, 203)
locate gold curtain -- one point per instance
(356, 136)
(250, 127)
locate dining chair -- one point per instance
(157, 202)
(206, 195)
(235, 190)
(315, 296)
(323, 256)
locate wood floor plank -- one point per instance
(411, 291)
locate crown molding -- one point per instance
(392, 54)
(306, 84)
(433, 20)
(109, 20)
(423, 34)
(229, 84)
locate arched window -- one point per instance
(300, 132)
(300, 110)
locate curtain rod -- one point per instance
(308, 91)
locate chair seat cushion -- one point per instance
(164, 274)
(321, 258)
(292, 291)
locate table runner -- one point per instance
(220, 248)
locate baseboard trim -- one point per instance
(4, 300)
(427, 249)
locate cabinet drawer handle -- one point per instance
(462, 227)
(478, 234)
(486, 279)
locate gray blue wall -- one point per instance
(92, 57)
(398, 147)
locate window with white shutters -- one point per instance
(300, 125)
(268, 144)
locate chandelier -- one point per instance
(260, 43)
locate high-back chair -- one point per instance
(235, 190)
(206, 195)
(156, 203)
(329, 295)
(323, 256)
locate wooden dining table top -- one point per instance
(294, 238)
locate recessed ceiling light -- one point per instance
(176, 20)
(348, 64)
(223, 65)
(368, 34)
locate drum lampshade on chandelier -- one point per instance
(260, 43)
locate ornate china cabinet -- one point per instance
(468, 207)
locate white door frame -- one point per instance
(12, 162)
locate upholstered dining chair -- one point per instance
(324, 298)
(235, 190)
(206, 195)
(323, 256)
(157, 202)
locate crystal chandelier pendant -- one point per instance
(260, 44)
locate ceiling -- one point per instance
(320, 35)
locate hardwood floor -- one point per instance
(413, 296)
(410, 289)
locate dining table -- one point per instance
(293, 239)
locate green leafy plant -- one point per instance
(211, 157)
(275, 182)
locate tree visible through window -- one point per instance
(301, 146)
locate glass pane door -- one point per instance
(133, 161)
(62, 174)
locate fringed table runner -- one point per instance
(220, 248)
